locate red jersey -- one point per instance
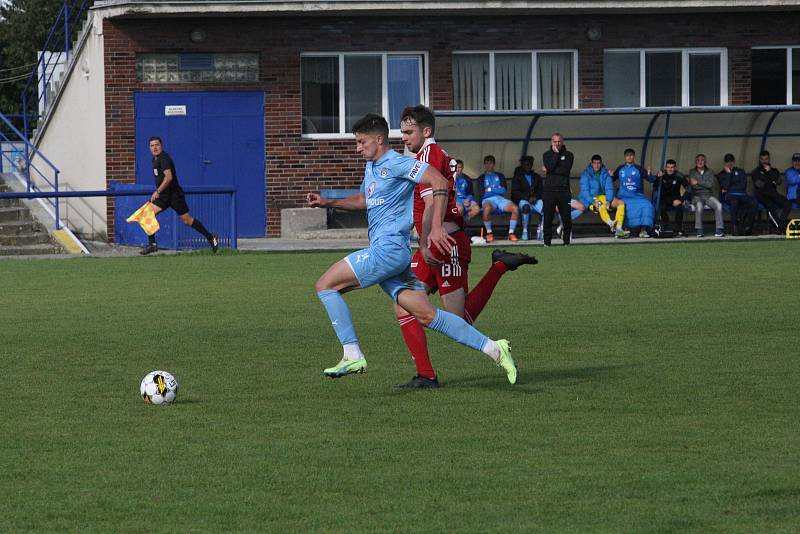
(433, 154)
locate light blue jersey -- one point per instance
(388, 187)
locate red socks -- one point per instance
(480, 294)
(417, 343)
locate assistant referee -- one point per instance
(169, 194)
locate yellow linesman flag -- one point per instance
(146, 218)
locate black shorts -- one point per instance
(175, 200)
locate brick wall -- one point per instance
(296, 166)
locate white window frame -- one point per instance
(534, 74)
(789, 66)
(685, 53)
(393, 133)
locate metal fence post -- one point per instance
(58, 219)
(234, 232)
(66, 31)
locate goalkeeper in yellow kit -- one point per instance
(597, 194)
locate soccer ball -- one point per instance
(159, 387)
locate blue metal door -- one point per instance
(214, 138)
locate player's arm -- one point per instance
(437, 236)
(353, 202)
(164, 185)
(427, 218)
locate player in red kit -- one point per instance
(447, 274)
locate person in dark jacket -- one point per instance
(671, 196)
(526, 188)
(555, 187)
(766, 180)
(733, 189)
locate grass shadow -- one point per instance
(532, 377)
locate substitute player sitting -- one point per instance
(387, 194)
(446, 273)
(492, 188)
(597, 194)
(465, 199)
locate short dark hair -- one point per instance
(459, 161)
(763, 153)
(526, 159)
(728, 158)
(670, 162)
(421, 115)
(597, 157)
(629, 151)
(700, 155)
(489, 158)
(371, 123)
(155, 138)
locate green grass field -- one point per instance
(658, 392)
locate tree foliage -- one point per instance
(24, 27)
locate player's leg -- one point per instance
(619, 216)
(338, 279)
(182, 209)
(487, 208)
(502, 262)
(602, 211)
(416, 302)
(525, 209)
(678, 205)
(414, 333)
(506, 206)
(575, 210)
(473, 209)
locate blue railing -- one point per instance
(55, 54)
(47, 174)
(214, 205)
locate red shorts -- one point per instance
(450, 275)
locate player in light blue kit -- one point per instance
(387, 195)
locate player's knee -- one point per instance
(321, 285)
(425, 317)
(526, 209)
(187, 219)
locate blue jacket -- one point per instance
(464, 188)
(792, 176)
(492, 185)
(630, 180)
(592, 186)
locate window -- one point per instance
(775, 76)
(515, 80)
(196, 68)
(665, 78)
(338, 89)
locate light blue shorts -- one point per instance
(536, 207)
(386, 263)
(498, 203)
(460, 201)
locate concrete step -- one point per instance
(10, 202)
(17, 213)
(20, 227)
(35, 238)
(30, 250)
